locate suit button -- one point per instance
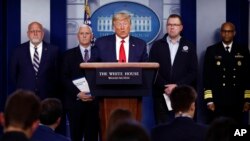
(224, 84)
(224, 76)
(233, 84)
(234, 69)
(234, 76)
(224, 69)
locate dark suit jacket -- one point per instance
(44, 133)
(107, 49)
(180, 129)
(184, 69)
(23, 73)
(83, 116)
(14, 136)
(71, 70)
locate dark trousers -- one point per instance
(234, 112)
(84, 121)
(161, 112)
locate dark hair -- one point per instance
(221, 129)
(117, 116)
(128, 131)
(22, 109)
(51, 110)
(182, 97)
(175, 16)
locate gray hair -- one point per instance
(85, 25)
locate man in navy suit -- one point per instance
(50, 118)
(178, 65)
(109, 47)
(182, 128)
(41, 79)
(82, 108)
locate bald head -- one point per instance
(227, 32)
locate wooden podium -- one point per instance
(119, 85)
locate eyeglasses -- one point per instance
(173, 25)
(227, 31)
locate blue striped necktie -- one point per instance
(36, 60)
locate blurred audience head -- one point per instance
(51, 111)
(183, 100)
(221, 129)
(22, 112)
(117, 116)
(128, 131)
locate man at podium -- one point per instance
(121, 46)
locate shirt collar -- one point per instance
(83, 48)
(120, 39)
(229, 45)
(180, 114)
(169, 40)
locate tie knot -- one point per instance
(122, 41)
(86, 51)
(227, 48)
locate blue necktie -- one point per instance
(86, 55)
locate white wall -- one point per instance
(210, 15)
(35, 10)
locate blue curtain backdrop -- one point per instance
(13, 32)
(58, 23)
(188, 13)
(237, 13)
(2, 54)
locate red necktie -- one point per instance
(122, 55)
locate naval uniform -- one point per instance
(226, 79)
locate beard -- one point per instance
(35, 41)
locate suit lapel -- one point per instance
(233, 49)
(79, 55)
(45, 53)
(29, 59)
(113, 49)
(132, 50)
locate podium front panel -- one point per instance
(121, 90)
